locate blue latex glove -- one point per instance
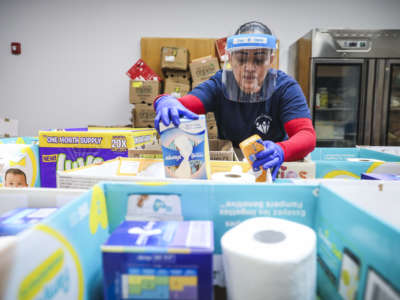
(169, 109)
(271, 157)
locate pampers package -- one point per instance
(159, 260)
(185, 149)
(65, 150)
(22, 218)
(19, 165)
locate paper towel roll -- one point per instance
(233, 177)
(358, 159)
(270, 258)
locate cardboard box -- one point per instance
(176, 89)
(143, 115)
(358, 230)
(142, 92)
(221, 150)
(203, 68)
(329, 207)
(174, 58)
(20, 140)
(350, 163)
(141, 71)
(177, 76)
(159, 260)
(43, 260)
(299, 170)
(64, 150)
(8, 127)
(212, 129)
(220, 45)
(24, 158)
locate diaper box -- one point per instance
(65, 150)
(159, 260)
(185, 149)
(21, 162)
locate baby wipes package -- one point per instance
(185, 149)
(19, 165)
(159, 260)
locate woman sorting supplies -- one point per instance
(250, 98)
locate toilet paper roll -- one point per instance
(358, 159)
(270, 258)
(233, 177)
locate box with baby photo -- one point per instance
(185, 149)
(19, 165)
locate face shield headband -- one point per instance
(250, 41)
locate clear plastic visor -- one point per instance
(248, 76)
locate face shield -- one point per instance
(249, 78)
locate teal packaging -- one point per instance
(358, 233)
(356, 223)
(350, 163)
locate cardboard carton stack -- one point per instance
(203, 68)
(144, 87)
(174, 64)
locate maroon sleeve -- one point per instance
(191, 102)
(302, 139)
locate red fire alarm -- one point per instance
(16, 48)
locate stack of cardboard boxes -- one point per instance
(180, 77)
(144, 87)
(174, 64)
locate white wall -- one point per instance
(75, 52)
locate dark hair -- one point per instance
(253, 27)
(15, 171)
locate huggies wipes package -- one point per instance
(20, 160)
(185, 149)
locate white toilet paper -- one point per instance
(358, 159)
(270, 258)
(233, 177)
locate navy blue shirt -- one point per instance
(238, 121)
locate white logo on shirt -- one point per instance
(263, 123)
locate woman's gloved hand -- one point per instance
(272, 157)
(169, 109)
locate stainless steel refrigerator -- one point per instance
(351, 79)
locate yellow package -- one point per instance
(250, 147)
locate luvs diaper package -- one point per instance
(65, 150)
(185, 149)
